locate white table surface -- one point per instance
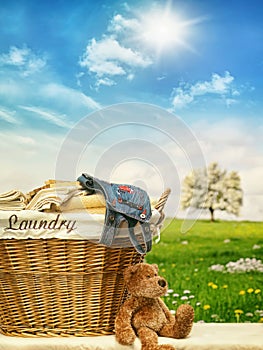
(204, 336)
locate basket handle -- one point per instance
(161, 204)
(162, 200)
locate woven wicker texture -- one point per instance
(61, 287)
(55, 287)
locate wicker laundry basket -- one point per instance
(62, 287)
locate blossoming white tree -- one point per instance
(212, 189)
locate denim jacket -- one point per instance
(123, 203)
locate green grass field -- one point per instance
(184, 260)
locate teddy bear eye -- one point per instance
(148, 276)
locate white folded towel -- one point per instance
(12, 200)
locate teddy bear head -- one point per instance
(142, 280)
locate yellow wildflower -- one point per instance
(162, 270)
(210, 284)
(206, 307)
(239, 312)
(250, 290)
(214, 286)
(225, 286)
(257, 291)
(242, 292)
(260, 320)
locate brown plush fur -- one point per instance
(145, 315)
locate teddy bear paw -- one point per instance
(126, 336)
(183, 321)
(165, 347)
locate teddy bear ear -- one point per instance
(155, 267)
(129, 271)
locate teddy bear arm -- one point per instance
(126, 311)
(168, 315)
(124, 332)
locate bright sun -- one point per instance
(162, 29)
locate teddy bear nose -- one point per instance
(162, 283)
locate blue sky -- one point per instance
(199, 60)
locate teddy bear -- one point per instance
(144, 314)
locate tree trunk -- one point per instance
(212, 214)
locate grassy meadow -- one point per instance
(184, 259)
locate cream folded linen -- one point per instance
(51, 201)
(66, 197)
(62, 196)
(81, 201)
(50, 198)
(12, 200)
(94, 203)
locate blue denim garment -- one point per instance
(123, 203)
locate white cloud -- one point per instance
(135, 40)
(220, 85)
(8, 116)
(181, 98)
(120, 51)
(217, 85)
(67, 96)
(24, 59)
(104, 81)
(108, 57)
(16, 56)
(54, 98)
(119, 24)
(50, 116)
